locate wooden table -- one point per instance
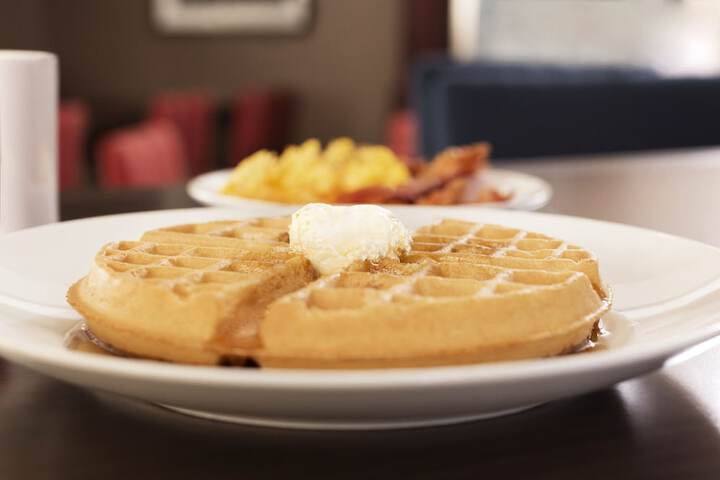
(662, 426)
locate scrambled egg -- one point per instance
(307, 173)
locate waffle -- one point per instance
(222, 291)
(181, 293)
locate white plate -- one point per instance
(667, 292)
(529, 192)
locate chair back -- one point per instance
(150, 154)
(260, 119)
(193, 114)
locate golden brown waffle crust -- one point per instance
(466, 293)
(137, 340)
(441, 332)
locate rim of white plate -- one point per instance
(395, 378)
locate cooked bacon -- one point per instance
(447, 180)
(459, 161)
(416, 165)
(450, 194)
(408, 193)
(417, 188)
(375, 194)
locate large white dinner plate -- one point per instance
(528, 192)
(667, 299)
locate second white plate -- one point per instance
(528, 192)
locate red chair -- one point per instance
(401, 133)
(193, 113)
(260, 119)
(73, 119)
(150, 154)
(401, 136)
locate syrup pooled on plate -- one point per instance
(81, 339)
(612, 330)
(595, 342)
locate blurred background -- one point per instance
(156, 91)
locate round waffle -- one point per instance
(226, 291)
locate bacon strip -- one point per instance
(443, 182)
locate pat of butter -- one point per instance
(334, 237)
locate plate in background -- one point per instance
(529, 192)
(667, 299)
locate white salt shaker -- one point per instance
(28, 139)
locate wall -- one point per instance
(23, 25)
(673, 37)
(343, 71)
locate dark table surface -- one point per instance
(664, 425)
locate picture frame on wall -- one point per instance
(228, 17)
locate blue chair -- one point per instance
(528, 110)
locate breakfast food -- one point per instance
(234, 291)
(307, 173)
(180, 293)
(347, 173)
(332, 238)
(453, 177)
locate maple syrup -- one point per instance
(81, 339)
